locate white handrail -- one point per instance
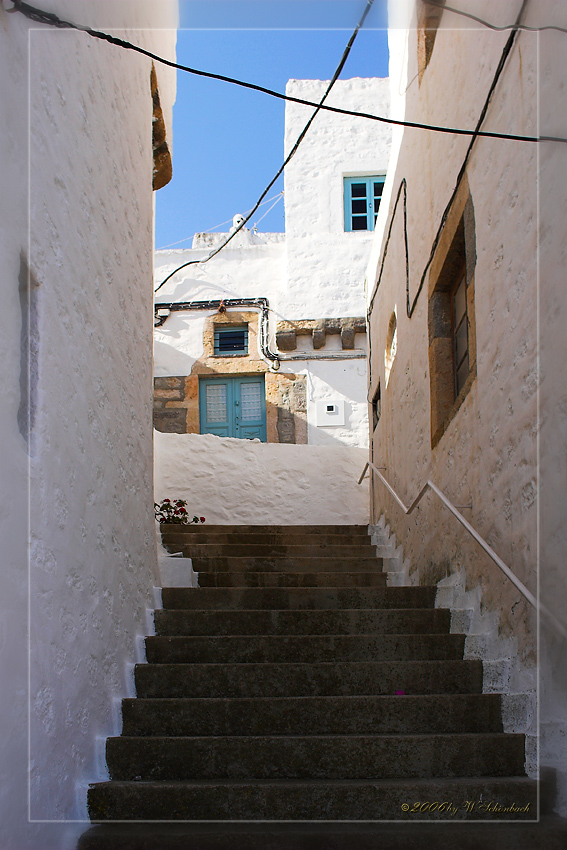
(429, 485)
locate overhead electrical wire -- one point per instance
(277, 198)
(411, 303)
(50, 19)
(263, 216)
(441, 5)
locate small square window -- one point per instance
(362, 197)
(231, 340)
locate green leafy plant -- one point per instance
(174, 511)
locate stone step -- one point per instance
(294, 679)
(252, 579)
(270, 550)
(303, 648)
(274, 530)
(315, 757)
(296, 565)
(439, 713)
(550, 833)
(296, 598)
(306, 622)
(199, 536)
(291, 679)
(313, 801)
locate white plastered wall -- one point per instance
(553, 392)
(325, 265)
(76, 354)
(284, 484)
(489, 454)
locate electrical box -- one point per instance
(330, 413)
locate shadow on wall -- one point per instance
(178, 363)
(327, 436)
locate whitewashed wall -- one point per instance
(326, 266)
(89, 245)
(552, 185)
(254, 268)
(284, 484)
(488, 456)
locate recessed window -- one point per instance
(461, 364)
(451, 319)
(391, 346)
(376, 407)
(231, 340)
(362, 201)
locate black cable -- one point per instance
(48, 18)
(441, 5)
(410, 306)
(300, 138)
(261, 304)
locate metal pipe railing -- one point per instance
(429, 485)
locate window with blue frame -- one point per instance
(230, 340)
(233, 406)
(362, 201)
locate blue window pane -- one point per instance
(362, 197)
(358, 206)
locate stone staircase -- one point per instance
(293, 685)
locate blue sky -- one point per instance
(228, 142)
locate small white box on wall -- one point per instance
(330, 413)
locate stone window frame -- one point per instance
(428, 22)
(391, 347)
(455, 255)
(376, 406)
(236, 318)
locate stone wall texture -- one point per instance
(487, 456)
(77, 391)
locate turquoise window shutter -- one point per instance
(362, 196)
(233, 406)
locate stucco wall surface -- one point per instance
(324, 261)
(488, 456)
(257, 268)
(76, 380)
(281, 484)
(553, 390)
(254, 269)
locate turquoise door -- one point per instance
(233, 407)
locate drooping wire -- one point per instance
(441, 5)
(228, 221)
(263, 216)
(292, 152)
(52, 20)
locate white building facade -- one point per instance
(293, 304)
(465, 309)
(78, 543)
